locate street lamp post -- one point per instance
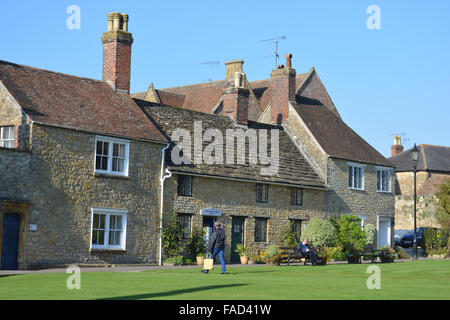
(415, 156)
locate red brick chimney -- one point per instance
(117, 43)
(235, 100)
(397, 147)
(282, 89)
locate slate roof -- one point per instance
(74, 102)
(431, 158)
(293, 167)
(333, 135)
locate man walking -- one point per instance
(217, 245)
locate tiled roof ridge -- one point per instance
(212, 115)
(432, 145)
(193, 85)
(34, 69)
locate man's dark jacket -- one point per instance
(217, 240)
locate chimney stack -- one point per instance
(282, 89)
(232, 67)
(397, 147)
(117, 43)
(235, 100)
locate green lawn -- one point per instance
(404, 280)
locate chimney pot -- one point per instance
(232, 67)
(397, 147)
(289, 60)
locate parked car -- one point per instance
(398, 234)
(407, 240)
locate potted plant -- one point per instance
(351, 237)
(196, 246)
(243, 252)
(200, 258)
(273, 255)
(388, 255)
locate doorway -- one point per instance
(10, 241)
(384, 232)
(237, 236)
(208, 228)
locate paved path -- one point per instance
(139, 268)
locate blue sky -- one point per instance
(392, 80)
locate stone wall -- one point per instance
(404, 212)
(405, 182)
(235, 198)
(368, 202)
(63, 188)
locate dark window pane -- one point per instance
(184, 185)
(260, 230)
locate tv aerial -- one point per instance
(212, 64)
(276, 40)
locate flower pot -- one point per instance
(275, 262)
(251, 262)
(387, 259)
(200, 260)
(244, 259)
(354, 258)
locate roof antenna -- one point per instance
(211, 63)
(276, 40)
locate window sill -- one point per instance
(110, 175)
(108, 250)
(384, 191)
(355, 189)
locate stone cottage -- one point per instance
(433, 169)
(359, 179)
(88, 170)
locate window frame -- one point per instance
(108, 213)
(181, 189)
(294, 222)
(389, 177)
(186, 217)
(10, 141)
(295, 198)
(354, 166)
(260, 190)
(265, 229)
(111, 142)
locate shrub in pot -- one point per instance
(351, 237)
(243, 252)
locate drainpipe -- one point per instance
(161, 180)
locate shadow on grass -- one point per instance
(172, 293)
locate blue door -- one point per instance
(10, 241)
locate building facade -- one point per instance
(88, 173)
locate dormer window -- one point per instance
(7, 137)
(111, 156)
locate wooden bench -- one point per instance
(371, 253)
(289, 253)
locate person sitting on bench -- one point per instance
(305, 250)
